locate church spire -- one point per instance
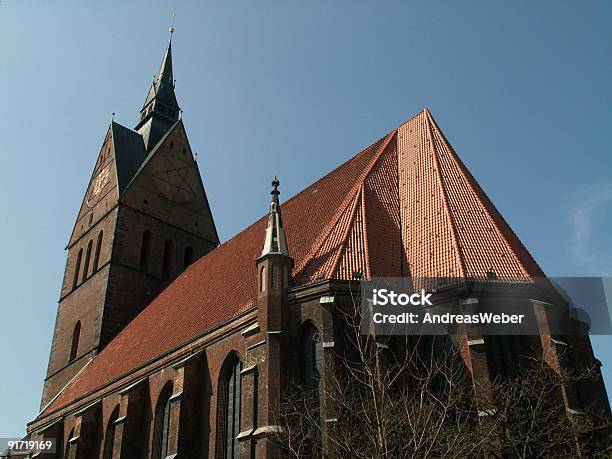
(160, 109)
(275, 241)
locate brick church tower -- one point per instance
(144, 218)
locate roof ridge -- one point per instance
(425, 110)
(387, 142)
(432, 144)
(500, 225)
(347, 231)
(324, 235)
(364, 228)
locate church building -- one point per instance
(168, 343)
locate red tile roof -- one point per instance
(406, 205)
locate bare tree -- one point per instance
(533, 415)
(412, 397)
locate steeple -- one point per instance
(275, 241)
(160, 109)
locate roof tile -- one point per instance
(406, 205)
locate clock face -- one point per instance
(98, 183)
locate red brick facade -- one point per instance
(166, 199)
(160, 346)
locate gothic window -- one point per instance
(109, 437)
(162, 423)
(262, 279)
(505, 354)
(87, 260)
(276, 274)
(145, 249)
(95, 435)
(228, 410)
(167, 261)
(76, 336)
(312, 360)
(77, 268)
(273, 277)
(171, 144)
(188, 257)
(97, 255)
(312, 357)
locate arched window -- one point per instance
(109, 437)
(87, 260)
(276, 274)
(167, 261)
(228, 409)
(162, 423)
(76, 336)
(262, 279)
(312, 358)
(312, 361)
(77, 268)
(188, 257)
(96, 261)
(145, 249)
(93, 448)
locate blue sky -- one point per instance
(521, 90)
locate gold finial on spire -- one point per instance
(171, 29)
